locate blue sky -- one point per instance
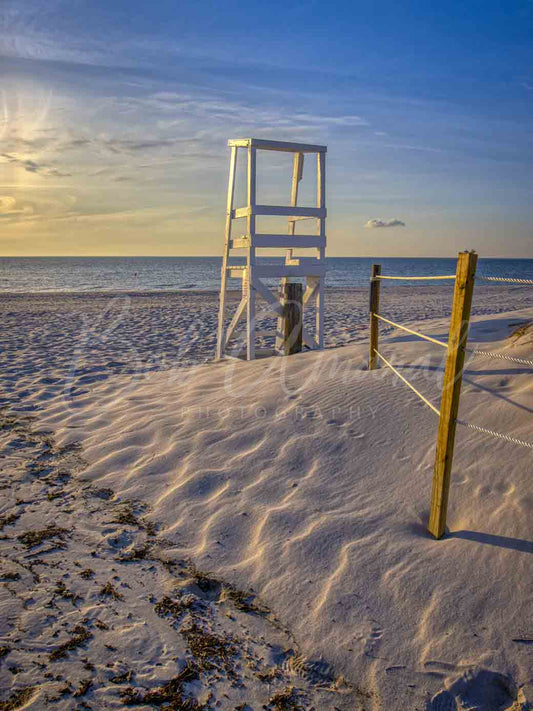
(114, 119)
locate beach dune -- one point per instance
(308, 479)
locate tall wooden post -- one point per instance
(451, 390)
(297, 175)
(374, 309)
(250, 260)
(321, 252)
(292, 304)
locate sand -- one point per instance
(298, 485)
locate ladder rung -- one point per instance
(282, 270)
(237, 272)
(304, 262)
(279, 241)
(280, 211)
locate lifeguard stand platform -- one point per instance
(257, 268)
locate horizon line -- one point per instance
(219, 256)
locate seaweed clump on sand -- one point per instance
(174, 608)
(31, 539)
(170, 694)
(8, 520)
(208, 649)
(109, 591)
(18, 699)
(284, 700)
(80, 636)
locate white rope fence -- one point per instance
(498, 435)
(507, 280)
(500, 356)
(415, 278)
(465, 279)
(469, 425)
(427, 402)
(409, 330)
(472, 351)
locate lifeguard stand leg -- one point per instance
(227, 237)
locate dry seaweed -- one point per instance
(109, 591)
(122, 678)
(81, 635)
(83, 688)
(8, 520)
(126, 515)
(170, 694)
(18, 699)
(174, 608)
(61, 590)
(31, 539)
(244, 601)
(284, 700)
(209, 649)
(139, 553)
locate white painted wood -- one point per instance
(266, 241)
(227, 238)
(308, 340)
(297, 175)
(286, 270)
(268, 296)
(267, 145)
(239, 313)
(256, 268)
(280, 211)
(311, 289)
(310, 262)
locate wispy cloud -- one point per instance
(371, 224)
(32, 166)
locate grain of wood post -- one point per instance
(451, 391)
(374, 309)
(292, 303)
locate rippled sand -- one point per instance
(305, 479)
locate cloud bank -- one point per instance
(384, 223)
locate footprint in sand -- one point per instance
(479, 690)
(443, 701)
(373, 641)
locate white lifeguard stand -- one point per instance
(257, 268)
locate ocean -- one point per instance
(100, 274)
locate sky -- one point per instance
(115, 115)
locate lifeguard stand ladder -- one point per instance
(257, 268)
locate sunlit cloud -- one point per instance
(384, 223)
(9, 208)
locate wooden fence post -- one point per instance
(292, 319)
(451, 390)
(374, 309)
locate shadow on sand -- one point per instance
(419, 529)
(516, 544)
